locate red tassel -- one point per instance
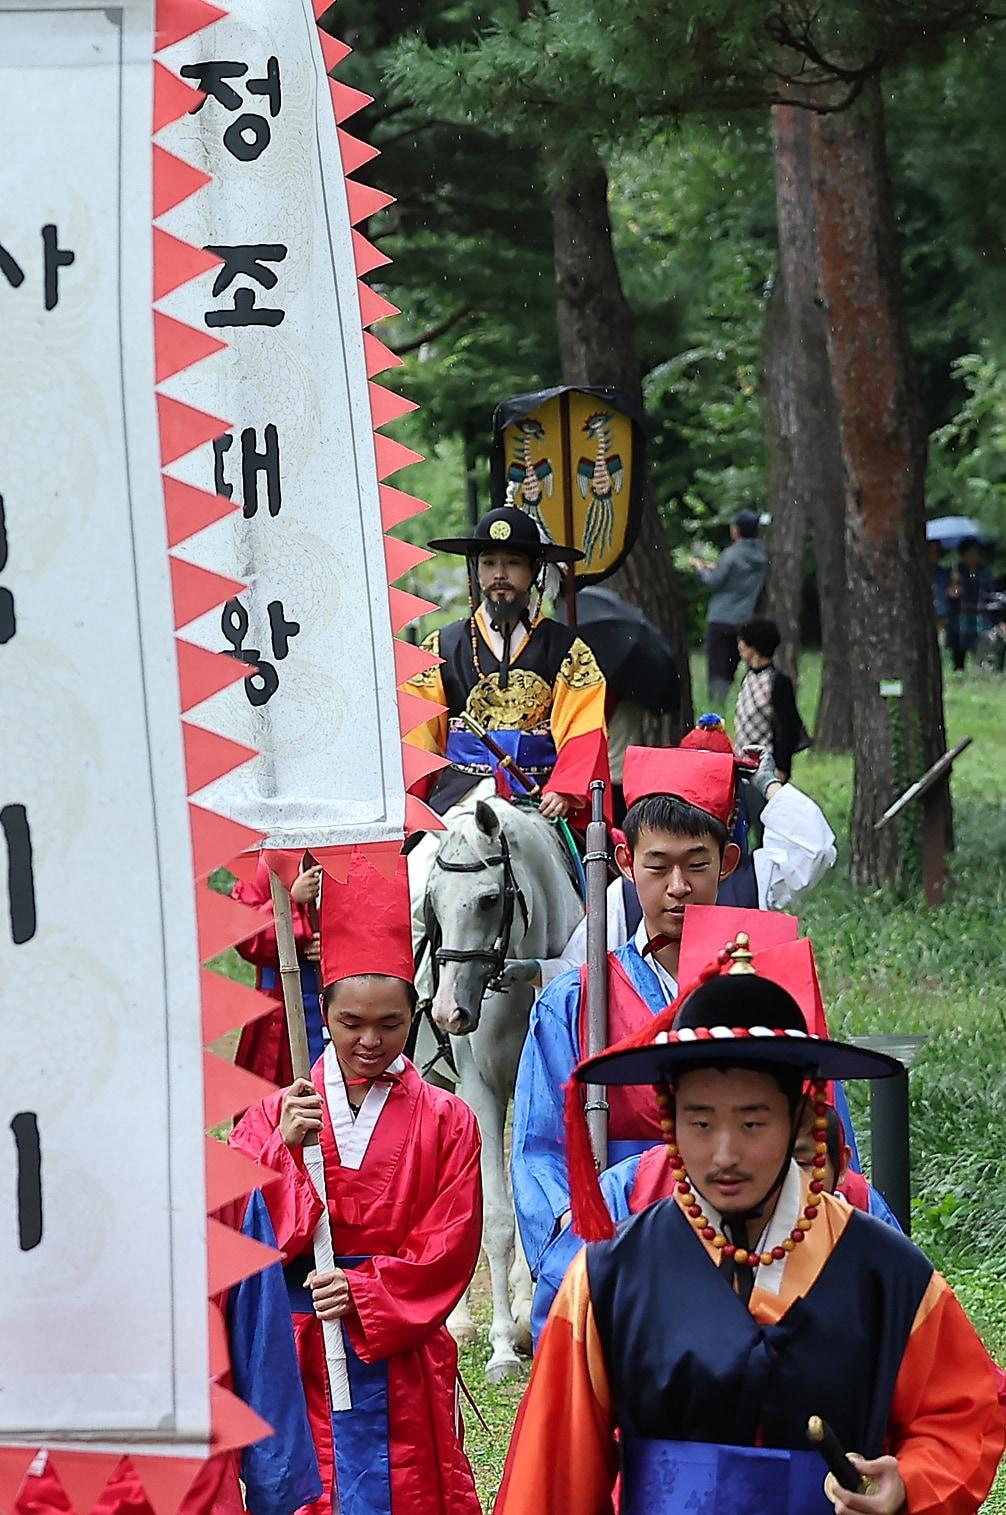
(591, 1219)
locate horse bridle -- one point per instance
(513, 898)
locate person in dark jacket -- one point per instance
(970, 585)
(736, 579)
(766, 714)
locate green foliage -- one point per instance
(968, 464)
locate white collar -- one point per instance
(494, 640)
(352, 1135)
(668, 985)
(787, 1213)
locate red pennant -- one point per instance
(392, 455)
(346, 101)
(365, 201)
(320, 7)
(379, 358)
(232, 1257)
(165, 1480)
(220, 1358)
(228, 1090)
(177, 19)
(355, 153)
(209, 756)
(386, 405)
(366, 256)
(374, 307)
(221, 922)
(407, 607)
(228, 1004)
(335, 861)
(84, 1475)
(397, 506)
(231, 1175)
(176, 262)
(414, 711)
(401, 557)
(285, 862)
(195, 590)
(14, 1464)
(202, 674)
(419, 817)
(411, 659)
(332, 50)
(215, 839)
(384, 857)
(418, 764)
(189, 510)
(177, 346)
(183, 429)
(235, 1424)
(244, 865)
(174, 181)
(173, 98)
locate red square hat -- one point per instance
(706, 928)
(366, 923)
(703, 779)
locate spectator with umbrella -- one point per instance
(970, 586)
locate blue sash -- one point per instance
(534, 751)
(696, 1477)
(360, 1434)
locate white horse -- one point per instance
(500, 887)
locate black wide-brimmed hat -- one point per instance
(509, 528)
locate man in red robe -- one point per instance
(399, 1163)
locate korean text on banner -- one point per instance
(102, 1205)
(321, 709)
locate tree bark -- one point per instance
(892, 631)
(805, 459)
(787, 538)
(597, 346)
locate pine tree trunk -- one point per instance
(787, 538)
(892, 632)
(806, 486)
(597, 346)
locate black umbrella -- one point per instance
(635, 658)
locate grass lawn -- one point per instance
(888, 963)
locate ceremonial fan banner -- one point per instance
(301, 455)
(573, 459)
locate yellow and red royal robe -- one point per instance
(553, 700)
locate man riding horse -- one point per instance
(525, 678)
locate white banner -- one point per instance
(322, 713)
(103, 1311)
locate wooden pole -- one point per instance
(567, 506)
(596, 866)
(289, 977)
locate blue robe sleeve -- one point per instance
(845, 1116)
(881, 1210)
(538, 1163)
(617, 1184)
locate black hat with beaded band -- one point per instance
(730, 1016)
(510, 530)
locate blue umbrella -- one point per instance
(950, 531)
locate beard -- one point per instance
(506, 612)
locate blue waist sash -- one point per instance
(360, 1434)
(534, 751)
(685, 1477)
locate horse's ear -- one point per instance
(487, 820)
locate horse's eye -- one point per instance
(487, 901)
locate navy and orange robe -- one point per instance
(549, 718)
(405, 1204)
(651, 1367)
